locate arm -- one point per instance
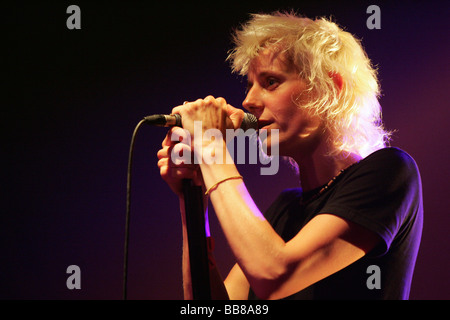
(185, 262)
(274, 268)
(173, 174)
(218, 290)
(237, 284)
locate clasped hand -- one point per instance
(197, 118)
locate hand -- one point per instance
(172, 169)
(214, 113)
(200, 117)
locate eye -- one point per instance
(272, 83)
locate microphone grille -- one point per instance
(249, 122)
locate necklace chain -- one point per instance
(325, 188)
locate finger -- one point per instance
(176, 155)
(221, 101)
(177, 109)
(181, 154)
(209, 99)
(236, 115)
(186, 104)
(171, 172)
(165, 166)
(163, 153)
(176, 135)
(167, 139)
(182, 173)
(163, 162)
(180, 135)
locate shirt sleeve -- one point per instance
(381, 194)
(282, 204)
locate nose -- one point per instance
(253, 101)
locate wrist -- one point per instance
(214, 186)
(214, 173)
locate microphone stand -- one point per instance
(198, 253)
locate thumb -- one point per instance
(236, 116)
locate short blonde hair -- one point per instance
(318, 49)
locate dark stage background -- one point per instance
(73, 98)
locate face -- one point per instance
(273, 88)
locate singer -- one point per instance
(352, 229)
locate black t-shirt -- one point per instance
(382, 193)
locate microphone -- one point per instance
(171, 120)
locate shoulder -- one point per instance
(390, 163)
(381, 193)
(391, 156)
(386, 179)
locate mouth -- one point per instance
(262, 124)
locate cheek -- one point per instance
(295, 119)
(290, 102)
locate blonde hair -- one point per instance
(318, 49)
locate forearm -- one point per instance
(218, 290)
(186, 267)
(253, 241)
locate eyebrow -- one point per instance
(267, 73)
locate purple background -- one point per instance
(75, 96)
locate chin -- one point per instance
(269, 147)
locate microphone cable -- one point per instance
(128, 207)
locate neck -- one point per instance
(317, 168)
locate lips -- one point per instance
(264, 123)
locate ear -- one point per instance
(337, 78)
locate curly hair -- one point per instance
(319, 49)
